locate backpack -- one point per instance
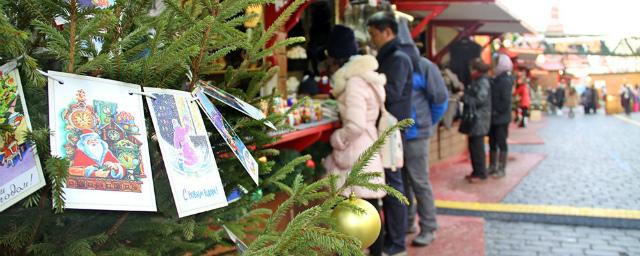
(391, 152)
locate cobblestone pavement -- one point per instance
(522, 239)
(592, 161)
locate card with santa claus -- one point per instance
(20, 170)
(186, 151)
(99, 126)
(228, 134)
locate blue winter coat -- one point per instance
(429, 97)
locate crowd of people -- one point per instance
(563, 96)
(399, 81)
(630, 98)
(487, 112)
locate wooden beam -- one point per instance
(434, 9)
(468, 30)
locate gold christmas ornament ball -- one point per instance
(365, 227)
(262, 159)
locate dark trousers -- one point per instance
(626, 104)
(476, 151)
(525, 114)
(589, 109)
(376, 248)
(498, 137)
(525, 111)
(395, 215)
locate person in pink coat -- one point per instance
(359, 91)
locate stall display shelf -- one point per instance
(304, 135)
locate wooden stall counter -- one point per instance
(304, 135)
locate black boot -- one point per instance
(493, 162)
(502, 165)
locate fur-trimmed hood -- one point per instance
(363, 66)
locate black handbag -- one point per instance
(468, 119)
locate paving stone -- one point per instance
(613, 248)
(598, 169)
(580, 245)
(565, 250)
(592, 161)
(601, 253)
(595, 240)
(598, 241)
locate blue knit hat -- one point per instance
(342, 43)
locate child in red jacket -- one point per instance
(522, 91)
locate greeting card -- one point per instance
(227, 133)
(233, 101)
(187, 154)
(98, 124)
(20, 171)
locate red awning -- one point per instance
(494, 17)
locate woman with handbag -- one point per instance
(476, 118)
(360, 94)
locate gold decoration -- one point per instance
(365, 227)
(262, 159)
(253, 9)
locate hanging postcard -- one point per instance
(240, 245)
(99, 125)
(238, 104)
(187, 154)
(20, 170)
(227, 133)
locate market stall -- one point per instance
(444, 23)
(433, 22)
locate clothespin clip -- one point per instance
(49, 76)
(19, 60)
(146, 94)
(189, 75)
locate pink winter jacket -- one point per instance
(358, 89)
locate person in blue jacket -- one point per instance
(429, 101)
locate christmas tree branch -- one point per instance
(73, 20)
(36, 226)
(113, 229)
(195, 64)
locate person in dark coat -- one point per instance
(477, 100)
(626, 98)
(589, 98)
(398, 69)
(551, 101)
(500, 115)
(560, 98)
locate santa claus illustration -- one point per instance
(93, 155)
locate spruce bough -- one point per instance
(124, 43)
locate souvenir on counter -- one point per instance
(233, 101)
(227, 133)
(99, 125)
(20, 170)
(186, 151)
